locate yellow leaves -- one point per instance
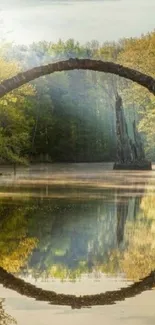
(139, 258)
(14, 99)
(15, 245)
(4, 102)
(137, 264)
(139, 54)
(148, 207)
(8, 99)
(16, 259)
(9, 69)
(58, 271)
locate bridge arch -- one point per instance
(10, 281)
(29, 290)
(77, 64)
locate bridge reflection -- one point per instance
(9, 281)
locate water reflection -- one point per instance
(5, 318)
(70, 235)
(107, 298)
(67, 238)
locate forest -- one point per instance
(70, 116)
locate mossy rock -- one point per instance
(137, 165)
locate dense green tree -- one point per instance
(15, 124)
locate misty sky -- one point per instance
(50, 20)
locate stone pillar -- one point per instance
(130, 154)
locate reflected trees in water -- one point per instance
(65, 239)
(15, 244)
(137, 259)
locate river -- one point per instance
(77, 245)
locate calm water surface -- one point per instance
(77, 245)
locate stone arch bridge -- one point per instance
(95, 65)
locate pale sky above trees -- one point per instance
(51, 20)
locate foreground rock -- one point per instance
(139, 165)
